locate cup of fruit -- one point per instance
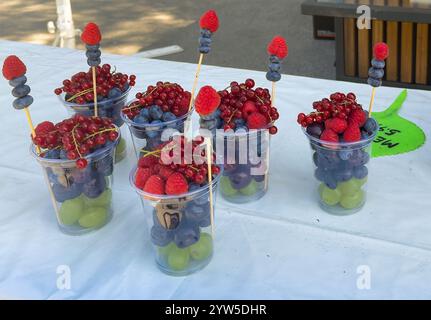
(77, 159)
(156, 115)
(241, 118)
(340, 134)
(176, 203)
(113, 87)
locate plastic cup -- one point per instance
(82, 198)
(341, 172)
(109, 108)
(180, 228)
(148, 137)
(245, 157)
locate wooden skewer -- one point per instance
(195, 83)
(30, 124)
(93, 70)
(273, 94)
(210, 182)
(373, 94)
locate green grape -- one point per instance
(203, 248)
(164, 251)
(121, 146)
(93, 217)
(104, 200)
(226, 187)
(71, 210)
(352, 201)
(349, 187)
(251, 189)
(330, 197)
(178, 259)
(362, 181)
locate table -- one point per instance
(402, 24)
(281, 247)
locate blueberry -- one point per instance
(155, 112)
(186, 234)
(23, 102)
(204, 49)
(94, 63)
(273, 76)
(345, 154)
(365, 158)
(360, 172)
(205, 42)
(239, 122)
(153, 131)
(105, 166)
(52, 154)
(94, 187)
(168, 116)
(195, 213)
(374, 82)
(21, 91)
(315, 129)
(364, 134)
(63, 154)
(379, 64)
(207, 124)
(210, 116)
(62, 193)
(343, 174)
(259, 178)
(240, 180)
(193, 187)
(206, 33)
(241, 129)
(145, 113)
(330, 181)
(274, 59)
(18, 81)
(141, 120)
(160, 236)
(82, 175)
(376, 73)
(370, 125)
(315, 159)
(275, 67)
(114, 93)
(93, 55)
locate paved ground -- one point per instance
(130, 26)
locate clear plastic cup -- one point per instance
(82, 198)
(341, 172)
(110, 108)
(180, 228)
(148, 137)
(245, 157)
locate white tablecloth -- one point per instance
(281, 247)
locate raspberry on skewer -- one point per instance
(376, 72)
(278, 50)
(91, 37)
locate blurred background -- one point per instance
(133, 26)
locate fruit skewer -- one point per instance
(91, 36)
(209, 24)
(277, 50)
(376, 72)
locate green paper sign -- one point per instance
(396, 135)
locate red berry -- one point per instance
(248, 108)
(273, 130)
(44, 127)
(358, 116)
(249, 83)
(256, 120)
(207, 100)
(155, 185)
(176, 184)
(141, 177)
(209, 20)
(13, 68)
(278, 47)
(336, 124)
(381, 51)
(81, 163)
(58, 91)
(352, 133)
(147, 161)
(91, 34)
(329, 135)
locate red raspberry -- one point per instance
(352, 133)
(381, 51)
(358, 117)
(148, 161)
(329, 135)
(13, 68)
(165, 172)
(176, 184)
(155, 185)
(248, 108)
(91, 34)
(44, 128)
(207, 100)
(256, 120)
(278, 47)
(336, 124)
(141, 176)
(209, 20)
